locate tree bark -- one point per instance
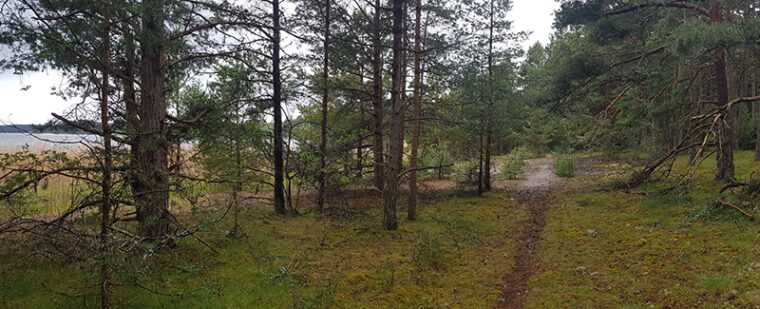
(279, 179)
(480, 162)
(152, 147)
(756, 114)
(377, 99)
(105, 184)
(725, 153)
(417, 110)
(396, 139)
(489, 122)
(325, 98)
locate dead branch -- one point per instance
(724, 203)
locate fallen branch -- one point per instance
(733, 185)
(724, 203)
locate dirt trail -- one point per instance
(534, 192)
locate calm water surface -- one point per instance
(11, 142)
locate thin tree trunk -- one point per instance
(133, 122)
(417, 110)
(105, 207)
(237, 189)
(153, 152)
(756, 114)
(480, 163)
(325, 97)
(377, 99)
(279, 180)
(489, 122)
(391, 191)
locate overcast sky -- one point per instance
(35, 104)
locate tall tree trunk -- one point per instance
(279, 179)
(153, 152)
(725, 151)
(756, 115)
(105, 206)
(489, 122)
(417, 110)
(325, 97)
(377, 99)
(133, 121)
(396, 139)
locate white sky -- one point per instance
(35, 104)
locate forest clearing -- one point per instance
(379, 154)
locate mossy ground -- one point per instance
(600, 249)
(455, 255)
(609, 249)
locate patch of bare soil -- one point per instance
(534, 192)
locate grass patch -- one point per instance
(608, 249)
(455, 255)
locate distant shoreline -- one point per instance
(42, 128)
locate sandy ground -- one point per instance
(534, 193)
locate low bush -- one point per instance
(564, 166)
(512, 168)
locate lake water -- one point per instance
(12, 142)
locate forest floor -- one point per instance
(534, 192)
(536, 242)
(604, 248)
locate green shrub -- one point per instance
(522, 153)
(512, 168)
(564, 166)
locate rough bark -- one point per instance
(279, 179)
(396, 139)
(152, 200)
(325, 97)
(377, 99)
(725, 153)
(417, 111)
(106, 182)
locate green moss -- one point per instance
(643, 254)
(284, 263)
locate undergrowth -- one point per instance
(454, 255)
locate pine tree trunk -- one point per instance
(396, 139)
(131, 114)
(756, 115)
(279, 179)
(377, 99)
(105, 184)
(417, 111)
(489, 122)
(325, 97)
(480, 163)
(152, 147)
(725, 151)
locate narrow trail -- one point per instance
(534, 192)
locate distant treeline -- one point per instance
(48, 127)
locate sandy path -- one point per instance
(534, 192)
